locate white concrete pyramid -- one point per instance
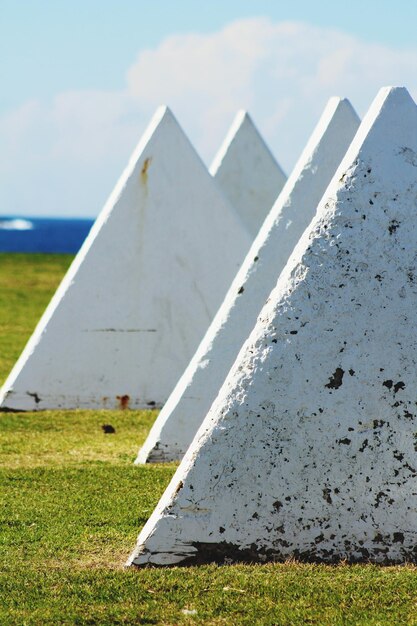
(247, 173)
(310, 448)
(143, 289)
(195, 392)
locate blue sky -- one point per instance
(81, 78)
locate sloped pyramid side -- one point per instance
(309, 449)
(247, 173)
(195, 392)
(141, 292)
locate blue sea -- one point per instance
(42, 234)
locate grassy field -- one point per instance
(72, 502)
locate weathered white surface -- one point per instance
(195, 392)
(132, 308)
(247, 173)
(310, 447)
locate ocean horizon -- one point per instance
(62, 235)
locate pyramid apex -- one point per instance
(345, 105)
(241, 119)
(163, 120)
(338, 119)
(345, 102)
(336, 103)
(393, 91)
(242, 116)
(388, 99)
(241, 125)
(391, 119)
(163, 112)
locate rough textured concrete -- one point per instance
(247, 173)
(310, 448)
(143, 289)
(195, 392)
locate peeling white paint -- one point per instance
(143, 289)
(310, 448)
(247, 173)
(195, 392)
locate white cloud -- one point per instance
(69, 152)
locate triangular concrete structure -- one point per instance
(310, 448)
(138, 298)
(195, 392)
(247, 173)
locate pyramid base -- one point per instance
(225, 553)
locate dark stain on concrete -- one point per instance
(35, 396)
(123, 401)
(336, 379)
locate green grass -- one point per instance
(72, 503)
(27, 282)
